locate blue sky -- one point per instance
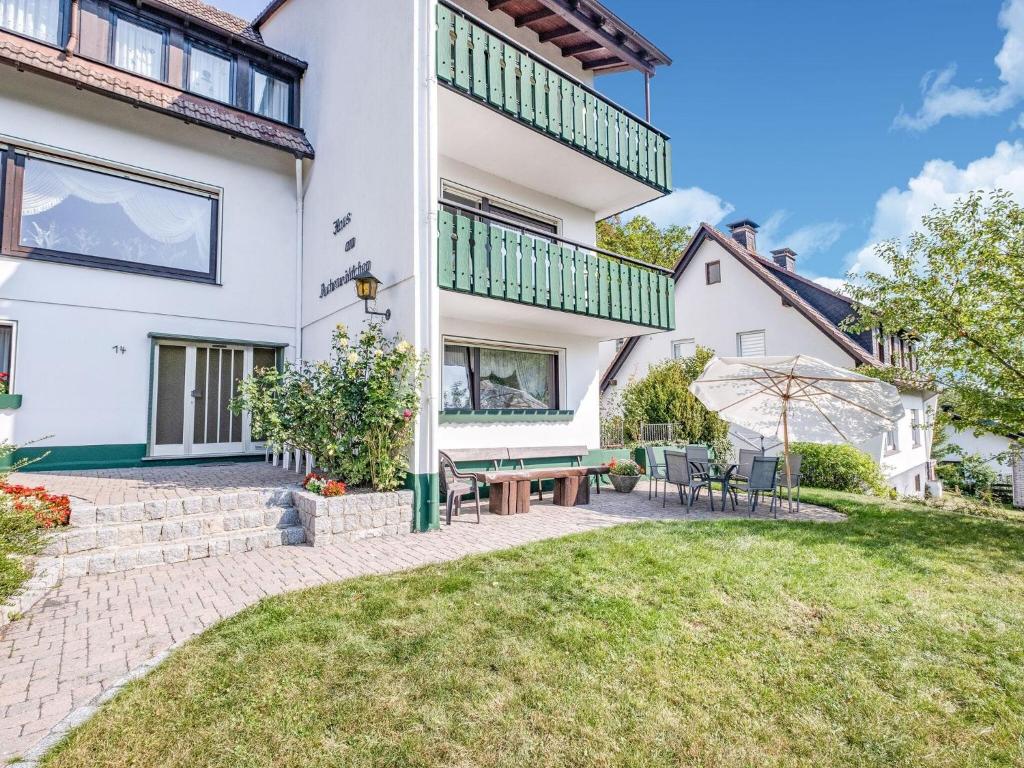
(832, 124)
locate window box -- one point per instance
(504, 416)
(10, 402)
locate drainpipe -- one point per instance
(69, 49)
(647, 95)
(298, 258)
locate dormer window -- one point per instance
(210, 73)
(139, 47)
(38, 19)
(271, 96)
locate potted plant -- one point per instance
(624, 474)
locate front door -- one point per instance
(192, 392)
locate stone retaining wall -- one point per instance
(353, 516)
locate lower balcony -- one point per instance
(598, 293)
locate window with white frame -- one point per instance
(139, 47)
(892, 440)
(271, 96)
(750, 344)
(39, 19)
(683, 348)
(61, 210)
(209, 73)
(6, 358)
(915, 427)
(487, 378)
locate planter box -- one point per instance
(353, 516)
(10, 402)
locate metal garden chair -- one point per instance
(763, 472)
(679, 472)
(655, 468)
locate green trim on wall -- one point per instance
(208, 340)
(10, 402)
(503, 416)
(425, 488)
(67, 457)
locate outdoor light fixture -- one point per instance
(366, 289)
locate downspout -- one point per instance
(69, 49)
(299, 195)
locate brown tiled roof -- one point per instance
(216, 17)
(83, 73)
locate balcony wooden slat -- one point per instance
(445, 249)
(493, 258)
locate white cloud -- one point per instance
(944, 99)
(686, 207)
(807, 240)
(898, 212)
(833, 283)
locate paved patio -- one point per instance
(87, 635)
(122, 486)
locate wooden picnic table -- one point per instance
(510, 489)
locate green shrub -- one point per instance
(663, 397)
(970, 476)
(839, 468)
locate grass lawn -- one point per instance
(895, 639)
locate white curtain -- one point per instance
(209, 75)
(138, 49)
(271, 97)
(519, 379)
(35, 18)
(163, 215)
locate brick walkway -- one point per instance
(91, 631)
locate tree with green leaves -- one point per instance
(642, 239)
(957, 285)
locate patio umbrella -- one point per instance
(798, 398)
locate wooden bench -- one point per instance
(510, 488)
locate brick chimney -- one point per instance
(744, 232)
(785, 258)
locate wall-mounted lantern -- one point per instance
(366, 289)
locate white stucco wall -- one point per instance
(358, 112)
(713, 315)
(75, 386)
(986, 445)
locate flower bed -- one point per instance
(324, 486)
(50, 510)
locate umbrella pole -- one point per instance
(785, 438)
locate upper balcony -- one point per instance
(605, 295)
(541, 128)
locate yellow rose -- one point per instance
(403, 346)
(353, 358)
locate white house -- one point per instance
(167, 224)
(993, 449)
(738, 302)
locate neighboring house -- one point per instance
(167, 227)
(738, 302)
(993, 449)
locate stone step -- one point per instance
(82, 539)
(117, 559)
(139, 511)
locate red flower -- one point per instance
(4, 375)
(50, 510)
(335, 488)
(406, 414)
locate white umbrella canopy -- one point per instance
(798, 398)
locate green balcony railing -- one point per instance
(480, 63)
(495, 257)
